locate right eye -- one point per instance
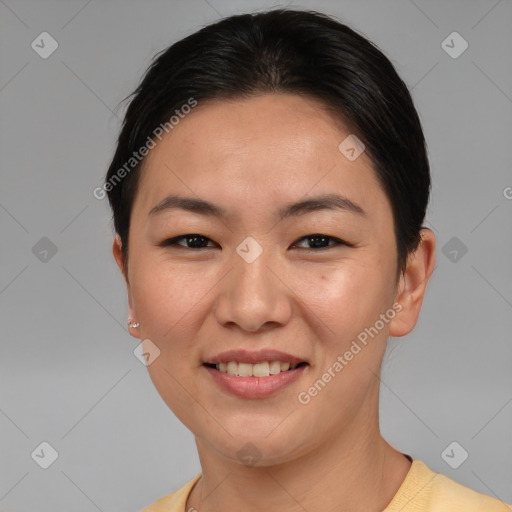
(197, 241)
(192, 241)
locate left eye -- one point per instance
(321, 241)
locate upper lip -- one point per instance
(253, 357)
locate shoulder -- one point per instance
(424, 490)
(450, 493)
(174, 502)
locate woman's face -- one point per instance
(256, 282)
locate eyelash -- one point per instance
(174, 241)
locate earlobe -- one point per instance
(413, 284)
(134, 328)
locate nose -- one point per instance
(253, 296)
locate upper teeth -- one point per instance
(263, 369)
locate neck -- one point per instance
(356, 471)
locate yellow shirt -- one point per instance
(423, 490)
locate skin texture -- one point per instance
(251, 157)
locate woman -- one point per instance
(269, 189)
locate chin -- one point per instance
(258, 450)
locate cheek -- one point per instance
(349, 296)
(165, 296)
(167, 299)
(352, 300)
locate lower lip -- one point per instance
(255, 387)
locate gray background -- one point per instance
(68, 374)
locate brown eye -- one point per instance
(319, 241)
(191, 241)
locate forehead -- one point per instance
(272, 148)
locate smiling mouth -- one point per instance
(262, 369)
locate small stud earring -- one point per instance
(132, 324)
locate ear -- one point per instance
(413, 284)
(117, 251)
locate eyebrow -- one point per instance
(313, 204)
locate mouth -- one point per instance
(261, 369)
(254, 374)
